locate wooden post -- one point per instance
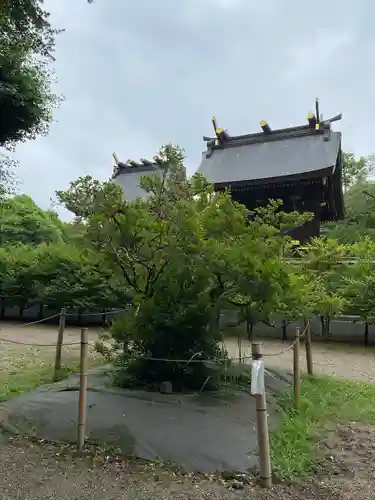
(308, 348)
(262, 427)
(82, 391)
(59, 344)
(296, 370)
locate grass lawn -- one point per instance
(22, 370)
(324, 401)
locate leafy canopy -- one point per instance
(184, 252)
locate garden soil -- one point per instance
(44, 472)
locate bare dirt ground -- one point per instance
(35, 472)
(39, 352)
(39, 334)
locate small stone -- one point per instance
(227, 475)
(237, 485)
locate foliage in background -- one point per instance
(358, 281)
(7, 175)
(22, 221)
(26, 97)
(27, 24)
(322, 264)
(359, 198)
(27, 101)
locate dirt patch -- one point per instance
(349, 458)
(27, 355)
(45, 335)
(41, 338)
(42, 472)
(39, 472)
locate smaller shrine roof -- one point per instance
(128, 175)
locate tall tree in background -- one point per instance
(27, 24)
(22, 221)
(27, 41)
(353, 170)
(7, 176)
(359, 195)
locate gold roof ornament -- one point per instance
(265, 127)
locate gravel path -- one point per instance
(329, 358)
(341, 360)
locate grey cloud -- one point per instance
(139, 74)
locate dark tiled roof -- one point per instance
(128, 175)
(282, 153)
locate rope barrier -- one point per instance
(34, 322)
(33, 344)
(187, 361)
(97, 314)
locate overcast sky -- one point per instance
(139, 73)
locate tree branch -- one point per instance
(131, 282)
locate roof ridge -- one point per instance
(260, 138)
(313, 127)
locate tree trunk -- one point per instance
(285, 331)
(326, 323)
(104, 316)
(366, 334)
(249, 329)
(322, 325)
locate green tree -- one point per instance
(250, 274)
(26, 23)
(353, 170)
(181, 254)
(358, 282)
(359, 198)
(27, 41)
(19, 284)
(7, 176)
(68, 277)
(22, 221)
(324, 266)
(26, 97)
